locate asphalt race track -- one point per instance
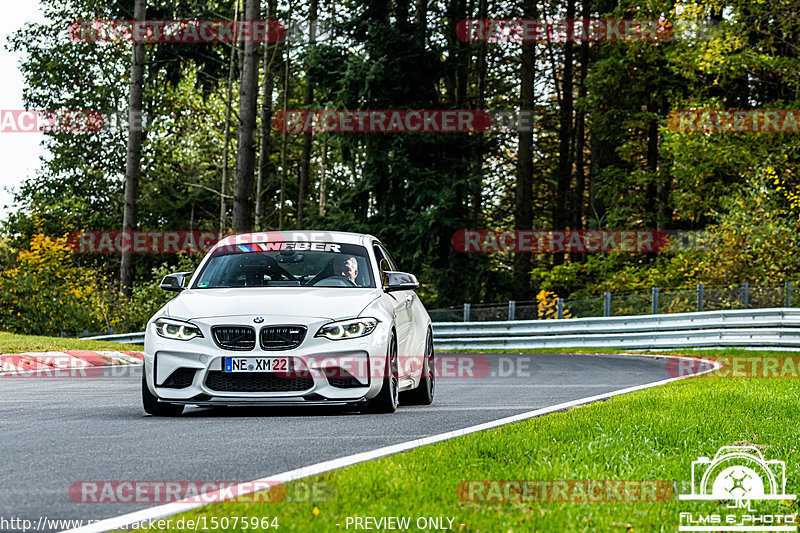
(58, 431)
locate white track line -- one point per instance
(169, 509)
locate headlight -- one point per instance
(177, 329)
(348, 329)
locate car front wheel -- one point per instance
(423, 394)
(387, 399)
(153, 407)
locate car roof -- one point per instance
(341, 237)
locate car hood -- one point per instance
(311, 302)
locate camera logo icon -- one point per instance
(739, 474)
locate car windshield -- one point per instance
(287, 264)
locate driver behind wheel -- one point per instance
(347, 267)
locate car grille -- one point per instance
(180, 378)
(256, 382)
(282, 337)
(234, 337)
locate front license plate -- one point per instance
(255, 364)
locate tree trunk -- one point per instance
(223, 208)
(265, 168)
(665, 182)
(561, 216)
(284, 134)
(457, 63)
(246, 154)
(421, 21)
(579, 142)
(523, 193)
(322, 171)
(652, 161)
(308, 99)
(480, 101)
(133, 159)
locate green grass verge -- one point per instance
(652, 434)
(11, 343)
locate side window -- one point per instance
(388, 257)
(380, 257)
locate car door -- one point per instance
(401, 302)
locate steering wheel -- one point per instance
(335, 281)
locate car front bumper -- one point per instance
(191, 372)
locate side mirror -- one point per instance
(175, 282)
(399, 281)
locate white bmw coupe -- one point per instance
(286, 319)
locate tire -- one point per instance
(388, 398)
(423, 394)
(153, 407)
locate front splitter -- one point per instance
(264, 402)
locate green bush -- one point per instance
(44, 291)
(756, 239)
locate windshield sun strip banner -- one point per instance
(277, 246)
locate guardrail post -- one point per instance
(560, 308)
(606, 303)
(86, 333)
(654, 301)
(788, 291)
(466, 312)
(745, 295)
(512, 309)
(700, 288)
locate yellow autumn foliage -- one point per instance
(44, 291)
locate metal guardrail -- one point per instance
(122, 338)
(777, 327)
(657, 300)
